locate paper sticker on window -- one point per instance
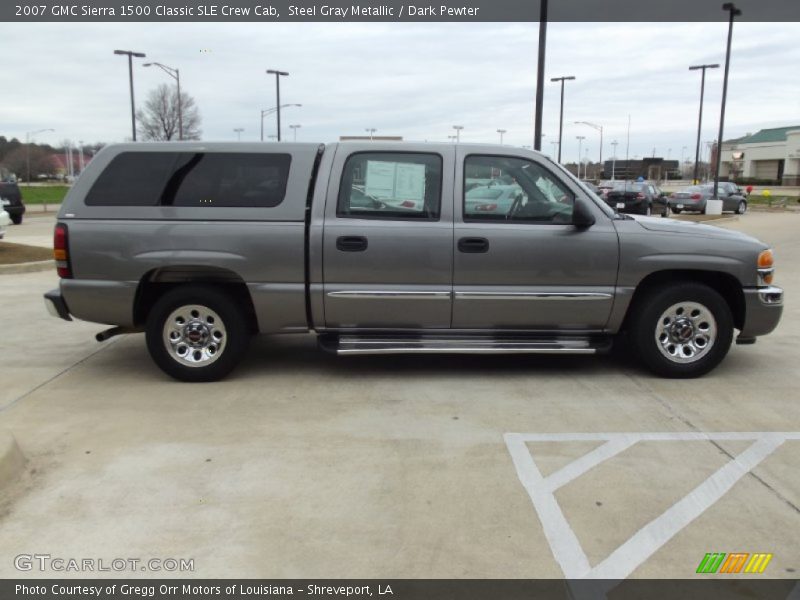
(396, 181)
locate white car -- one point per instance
(5, 221)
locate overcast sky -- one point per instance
(413, 80)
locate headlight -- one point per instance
(766, 270)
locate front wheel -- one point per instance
(16, 219)
(197, 333)
(742, 208)
(681, 331)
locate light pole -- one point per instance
(561, 117)
(28, 135)
(238, 131)
(700, 117)
(295, 128)
(458, 129)
(130, 54)
(732, 12)
(176, 75)
(278, 75)
(371, 131)
(501, 132)
(537, 119)
(596, 128)
(555, 144)
(683, 151)
(580, 139)
(269, 111)
(80, 156)
(615, 143)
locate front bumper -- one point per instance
(54, 302)
(763, 310)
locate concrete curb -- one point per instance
(28, 267)
(12, 461)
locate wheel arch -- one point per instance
(156, 282)
(725, 284)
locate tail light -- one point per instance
(486, 207)
(61, 251)
(696, 196)
(672, 195)
(407, 204)
(640, 196)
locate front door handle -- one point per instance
(351, 243)
(473, 245)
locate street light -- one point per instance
(238, 131)
(130, 54)
(597, 128)
(561, 117)
(732, 12)
(615, 143)
(278, 75)
(580, 139)
(458, 129)
(554, 143)
(176, 75)
(295, 128)
(501, 132)
(269, 111)
(370, 131)
(700, 118)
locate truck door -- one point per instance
(519, 263)
(388, 237)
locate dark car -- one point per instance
(694, 198)
(638, 197)
(11, 200)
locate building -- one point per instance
(650, 168)
(768, 156)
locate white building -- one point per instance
(770, 154)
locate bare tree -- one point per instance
(158, 121)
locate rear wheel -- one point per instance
(677, 211)
(197, 333)
(647, 210)
(16, 219)
(742, 208)
(681, 331)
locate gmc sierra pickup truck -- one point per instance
(392, 247)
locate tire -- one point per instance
(210, 331)
(741, 208)
(677, 211)
(16, 219)
(647, 211)
(660, 338)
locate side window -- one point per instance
(132, 179)
(228, 180)
(391, 185)
(504, 188)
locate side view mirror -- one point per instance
(582, 218)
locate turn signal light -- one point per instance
(765, 259)
(61, 251)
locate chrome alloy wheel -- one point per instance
(685, 332)
(194, 335)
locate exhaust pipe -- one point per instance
(109, 333)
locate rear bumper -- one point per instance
(14, 209)
(763, 310)
(54, 302)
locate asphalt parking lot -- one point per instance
(303, 464)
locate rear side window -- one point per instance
(391, 185)
(192, 179)
(132, 179)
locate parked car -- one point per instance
(637, 197)
(202, 246)
(11, 200)
(694, 198)
(604, 187)
(494, 199)
(5, 221)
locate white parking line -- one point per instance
(565, 545)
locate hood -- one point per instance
(660, 224)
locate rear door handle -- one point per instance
(473, 245)
(351, 243)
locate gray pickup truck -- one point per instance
(392, 248)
